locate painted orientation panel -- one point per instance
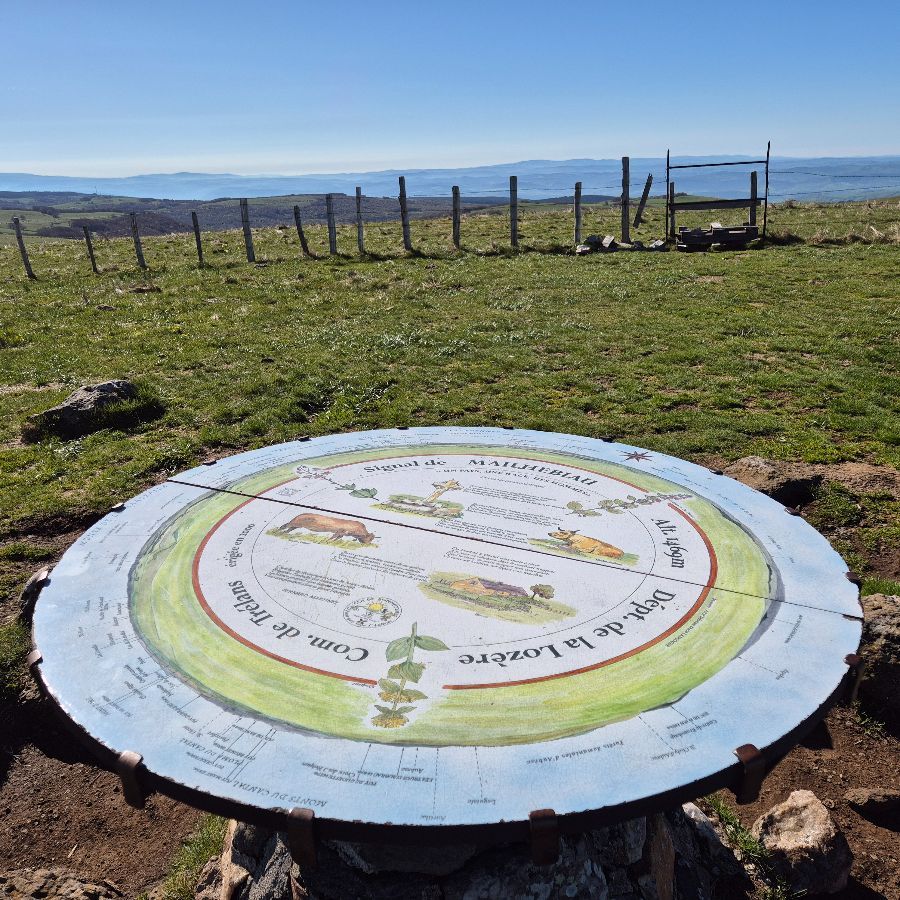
(445, 626)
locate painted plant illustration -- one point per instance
(395, 688)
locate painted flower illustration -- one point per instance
(394, 689)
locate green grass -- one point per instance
(14, 642)
(751, 851)
(192, 856)
(789, 352)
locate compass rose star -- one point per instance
(639, 456)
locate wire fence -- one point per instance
(615, 198)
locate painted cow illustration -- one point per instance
(339, 528)
(588, 545)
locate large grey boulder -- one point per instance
(805, 845)
(82, 411)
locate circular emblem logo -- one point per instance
(372, 612)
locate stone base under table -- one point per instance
(671, 856)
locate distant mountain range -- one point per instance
(828, 179)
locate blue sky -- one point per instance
(121, 87)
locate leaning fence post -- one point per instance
(643, 202)
(90, 249)
(360, 237)
(577, 213)
(136, 237)
(404, 215)
(304, 245)
(514, 210)
(248, 237)
(753, 198)
(626, 190)
(672, 210)
(456, 216)
(22, 251)
(197, 240)
(332, 229)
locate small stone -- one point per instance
(805, 845)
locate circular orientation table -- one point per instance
(441, 631)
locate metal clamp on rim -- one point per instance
(301, 834)
(754, 764)
(29, 595)
(128, 768)
(544, 837)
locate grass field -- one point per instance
(787, 352)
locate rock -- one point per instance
(880, 805)
(620, 845)
(77, 414)
(54, 884)
(373, 858)
(255, 865)
(705, 866)
(209, 884)
(789, 483)
(881, 629)
(805, 845)
(660, 855)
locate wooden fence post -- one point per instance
(643, 203)
(404, 215)
(248, 237)
(304, 245)
(197, 240)
(514, 211)
(90, 249)
(332, 229)
(136, 237)
(577, 213)
(22, 251)
(456, 216)
(671, 210)
(753, 198)
(360, 237)
(626, 189)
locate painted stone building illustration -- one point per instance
(475, 585)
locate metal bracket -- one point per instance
(508, 427)
(30, 592)
(857, 666)
(301, 834)
(304, 438)
(209, 462)
(33, 659)
(717, 471)
(403, 428)
(118, 507)
(853, 578)
(792, 511)
(128, 769)
(544, 837)
(754, 764)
